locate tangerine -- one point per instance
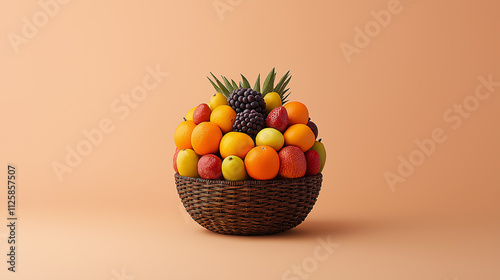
(224, 116)
(262, 163)
(205, 138)
(182, 135)
(297, 113)
(235, 143)
(300, 135)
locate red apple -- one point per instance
(313, 162)
(210, 167)
(175, 160)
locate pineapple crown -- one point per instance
(226, 87)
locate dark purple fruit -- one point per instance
(246, 98)
(249, 121)
(314, 128)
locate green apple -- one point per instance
(320, 148)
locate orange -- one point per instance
(224, 116)
(182, 135)
(297, 113)
(300, 135)
(206, 138)
(262, 163)
(235, 144)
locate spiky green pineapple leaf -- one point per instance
(279, 85)
(283, 90)
(227, 84)
(241, 85)
(283, 86)
(284, 98)
(222, 88)
(217, 89)
(256, 87)
(235, 85)
(244, 82)
(269, 82)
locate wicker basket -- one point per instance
(248, 207)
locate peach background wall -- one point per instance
(117, 213)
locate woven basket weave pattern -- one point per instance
(248, 207)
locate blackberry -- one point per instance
(245, 98)
(249, 121)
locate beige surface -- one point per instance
(117, 213)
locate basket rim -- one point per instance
(249, 182)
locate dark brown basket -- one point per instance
(249, 207)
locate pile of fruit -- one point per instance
(248, 132)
